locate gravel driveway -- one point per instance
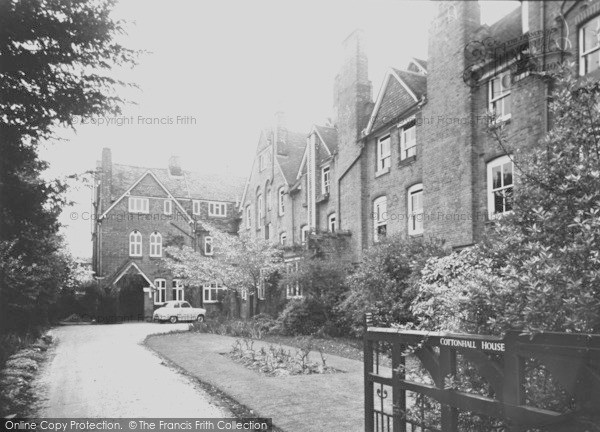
(103, 371)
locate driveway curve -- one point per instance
(103, 371)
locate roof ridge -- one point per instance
(410, 72)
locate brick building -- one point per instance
(418, 160)
(140, 211)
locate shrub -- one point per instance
(255, 328)
(385, 281)
(321, 276)
(302, 317)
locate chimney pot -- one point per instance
(175, 167)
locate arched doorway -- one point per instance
(131, 297)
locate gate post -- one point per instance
(513, 391)
(368, 365)
(448, 367)
(398, 393)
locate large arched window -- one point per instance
(380, 218)
(135, 243)
(415, 209)
(155, 244)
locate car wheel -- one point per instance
(173, 319)
(200, 318)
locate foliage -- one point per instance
(55, 58)
(302, 317)
(538, 268)
(236, 262)
(321, 276)
(274, 361)
(384, 281)
(256, 328)
(17, 374)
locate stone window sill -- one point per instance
(382, 172)
(408, 161)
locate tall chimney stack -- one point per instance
(175, 167)
(106, 180)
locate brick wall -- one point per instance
(447, 136)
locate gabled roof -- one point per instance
(191, 185)
(400, 91)
(167, 194)
(289, 155)
(124, 269)
(329, 137)
(417, 65)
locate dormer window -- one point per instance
(168, 207)
(196, 207)
(589, 46)
(217, 209)
(138, 205)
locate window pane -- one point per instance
(508, 198)
(495, 87)
(592, 61)
(506, 107)
(385, 147)
(496, 177)
(590, 35)
(507, 170)
(499, 202)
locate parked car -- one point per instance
(175, 310)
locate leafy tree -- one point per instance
(321, 275)
(538, 268)
(56, 55)
(238, 262)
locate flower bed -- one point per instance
(277, 361)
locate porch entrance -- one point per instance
(131, 297)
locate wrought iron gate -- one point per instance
(508, 370)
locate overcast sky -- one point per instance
(230, 65)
